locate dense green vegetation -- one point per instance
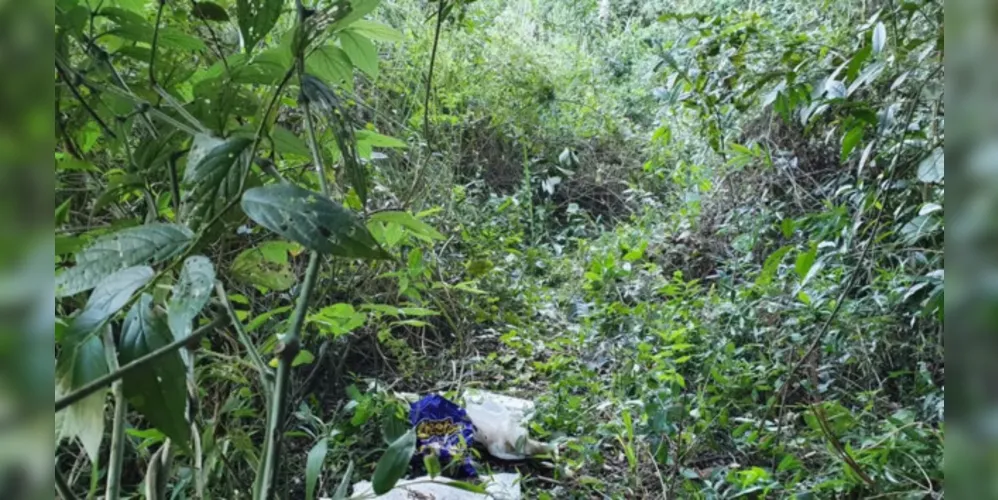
(706, 238)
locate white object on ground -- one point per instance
(500, 424)
(503, 486)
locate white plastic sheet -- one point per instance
(498, 487)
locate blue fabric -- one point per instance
(440, 427)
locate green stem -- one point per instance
(117, 455)
(118, 374)
(287, 348)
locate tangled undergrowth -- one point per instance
(704, 237)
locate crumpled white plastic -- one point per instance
(503, 486)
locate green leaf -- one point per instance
(466, 486)
(432, 465)
(408, 221)
(331, 64)
(392, 427)
(157, 390)
(850, 140)
(285, 142)
(190, 294)
(146, 244)
(361, 52)
(209, 11)
(213, 180)
(84, 420)
(311, 219)
(931, 170)
(358, 9)
(304, 357)
(106, 300)
(805, 260)
(338, 319)
(132, 26)
(261, 267)
(313, 466)
(378, 140)
(341, 490)
(394, 463)
(375, 31)
(256, 19)
(770, 266)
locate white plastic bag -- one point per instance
(499, 425)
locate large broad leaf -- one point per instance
(331, 64)
(209, 11)
(361, 52)
(107, 299)
(82, 364)
(265, 68)
(157, 390)
(265, 265)
(311, 219)
(212, 180)
(190, 294)
(146, 244)
(286, 142)
(375, 31)
(931, 170)
(358, 9)
(256, 19)
(313, 466)
(134, 27)
(394, 463)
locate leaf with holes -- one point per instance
(146, 244)
(190, 294)
(256, 19)
(361, 52)
(311, 219)
(394, 463)
(157, 390)
(261, 266)
(214, 180)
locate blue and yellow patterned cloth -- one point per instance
(443, 428)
